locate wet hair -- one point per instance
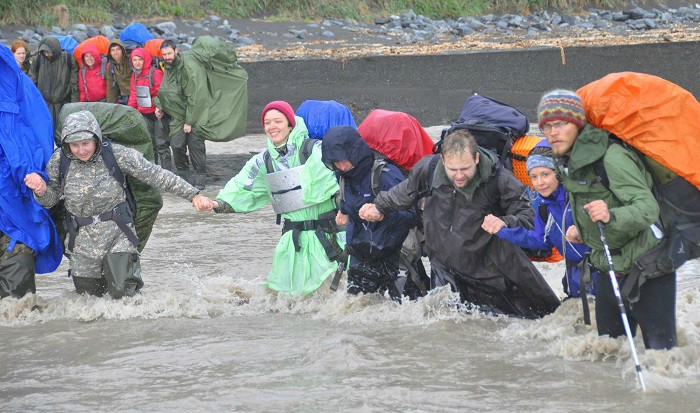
(168, 43)
(458, 142)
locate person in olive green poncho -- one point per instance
(301, 262)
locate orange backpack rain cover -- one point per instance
(100, 42)
(659, 118)
(396, 135)
(153, 47)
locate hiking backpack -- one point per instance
(659, 122)
(495, 126)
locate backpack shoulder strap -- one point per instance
(63, 170)
(307, 147)
(600, 173)
(493, 194)
(268, 161)
(427, 184)
(378, 167)
(116, 172)
(150, 75)
(103, 67)
(543, 212)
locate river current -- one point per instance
(206, 335)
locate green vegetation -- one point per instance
(101, 11)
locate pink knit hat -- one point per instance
(283, 107)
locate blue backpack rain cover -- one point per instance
(321, 115)
(68, 43)
(135, 33)
(26, 145)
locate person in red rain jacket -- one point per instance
(145, 82)
(91, 77)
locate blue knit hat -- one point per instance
(562, 105)
(535, 160)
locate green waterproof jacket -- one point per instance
(302, 272)
(56, 78)
(118, 75)
(630, 200)
(206, 89)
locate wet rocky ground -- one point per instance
(407, 33)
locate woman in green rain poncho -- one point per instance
(292, 176)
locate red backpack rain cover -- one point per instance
(396, 135)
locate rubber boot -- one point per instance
(17, 276)
(123, 274)
(92, 286)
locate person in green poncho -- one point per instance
(290, 175)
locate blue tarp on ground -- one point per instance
(321, 115)
(135, 32)
(26, 144)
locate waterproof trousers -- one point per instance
(159, 130)
(121, 277)
(16, 269)
(189, 150)
(381, 276)
(654, 313)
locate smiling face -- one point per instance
(83, 150)
(561, 136)
(544, 180)
(460, 167)
(20, 55)
(89, 59)
(277, 127)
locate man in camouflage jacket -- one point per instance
(102, 257)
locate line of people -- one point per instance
(125, 77)
(473, 211)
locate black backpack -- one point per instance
(494, 125)
(679, 204)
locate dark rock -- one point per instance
(620, 17)
(327, 33)
(636, 13)
(92, 32)
(40, 31)
(568, 19)
(80, 27)
(650, 24)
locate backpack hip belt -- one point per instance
(119, 214)
(324, 224)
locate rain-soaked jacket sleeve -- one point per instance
(53, 187)
(517, 210)
(247, 191)
(524, 238)
(73, 79)
(404, 195)
(132, 163)
(317, 182)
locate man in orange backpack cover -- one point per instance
(626, 207)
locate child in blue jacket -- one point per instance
(552, 218)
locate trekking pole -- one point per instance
(621, 305)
